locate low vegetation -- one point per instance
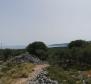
(11, 73)
(70, 76)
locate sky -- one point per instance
(50, 21)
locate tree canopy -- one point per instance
(77, 43)
(38, 49)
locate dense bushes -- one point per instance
(70, 64)
(77, 56)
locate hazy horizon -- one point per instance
(50, 21)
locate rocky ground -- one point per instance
(38, 76)
(42, 79)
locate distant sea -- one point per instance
(13, 47)
(24, 46)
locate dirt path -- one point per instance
(37, 70)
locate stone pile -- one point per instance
(25, 58)
(42, 79)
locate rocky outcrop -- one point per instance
(42, 79)
(24, 58)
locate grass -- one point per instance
(17, 71)
(66, 76)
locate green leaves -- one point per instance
(38, 49)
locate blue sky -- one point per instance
(51, 21)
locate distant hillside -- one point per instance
(58, 45)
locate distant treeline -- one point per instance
(6, 54)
